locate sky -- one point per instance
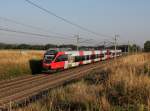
(130, 19)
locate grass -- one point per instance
(16, 62)
(123, 85)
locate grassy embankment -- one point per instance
(122, 85)
(16, 63)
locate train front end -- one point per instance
(48, 59)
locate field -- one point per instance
(123, 85)
(17, 62)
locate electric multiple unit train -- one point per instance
(58, 60)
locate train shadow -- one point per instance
(35, 66)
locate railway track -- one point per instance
(23, 88)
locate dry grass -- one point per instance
(122, 86)
(128, 85)
(16, 62)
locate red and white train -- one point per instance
(57, 60)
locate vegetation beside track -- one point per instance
(122, 85)
(17, 62)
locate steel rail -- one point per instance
(51, 84)
(25, 85)
(16, 91)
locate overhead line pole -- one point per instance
(104, 44)
(128, 47)
(115, 43)
(77, 36)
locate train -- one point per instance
(55, 60)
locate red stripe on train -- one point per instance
(93, 53)
(81, 54)
(108, 54)
(100, 55)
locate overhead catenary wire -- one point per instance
(17, 36)
(33, 34)
(11, 37)
(42, 36)
(30, 26)
(9, 34)
(66, 20)
(86, 41)
(35, 27)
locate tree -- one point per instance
(147, 46)
(24, 46)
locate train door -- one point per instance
(59, 62)
(71, 60)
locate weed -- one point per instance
(123, 85)
(17, 63)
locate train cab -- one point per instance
(56, 60)
(48, 59)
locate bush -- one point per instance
(147, 46)
(97, 77)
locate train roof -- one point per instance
(55, 51)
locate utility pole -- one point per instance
(128, 47)
(77, 42)
(115, 44)
(136, 49)
(104, 44)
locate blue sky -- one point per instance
(128, 18)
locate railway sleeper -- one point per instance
(38, 96)
(27, 100)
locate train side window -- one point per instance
(87, 57)
(83, 58)
(80, 58)
(101, 55)
(62, 58)
(77, 58)
(97, 55)
(93, 56)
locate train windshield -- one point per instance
(49, 58)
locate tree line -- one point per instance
(34, 47)
(124, 48)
